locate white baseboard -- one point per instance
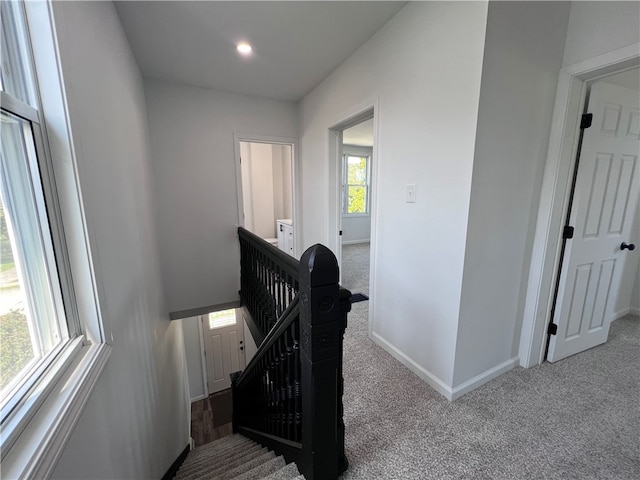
(437, 384)
(198, 398)
(353, 242)
(433, 381)
(484, 377)
(635, 311)
(623, 312)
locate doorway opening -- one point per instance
(597, 268)
(352, 174)
(555, 193)
(224, 348)
(355, 207)
(266, 205)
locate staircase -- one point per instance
(289, 396)
(236, 457)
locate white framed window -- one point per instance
(52, 337)
(355, 184)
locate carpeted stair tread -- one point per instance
(220, 446)
(228, 460)
(218, 469)
(288, 472)
(216, 466)
(222, 442)
(236, 458)
(221, 452)
(263, 470)
(234, 472)
(225, 454)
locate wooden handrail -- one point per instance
(289, 263)
(290, 315)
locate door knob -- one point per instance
(629, 247)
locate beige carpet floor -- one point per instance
(576, 419)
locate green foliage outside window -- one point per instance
(16, 350)
(15, 343)
(356, 185)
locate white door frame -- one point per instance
(334, 142)
(203, 359)
(295, 172)
(554, 194)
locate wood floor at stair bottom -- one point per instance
(236, 458)
(207, 426)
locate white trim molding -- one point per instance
(483, 378)
(40, 444)
(354, 242)
(198, 398)
(434, 382)
(569, 104)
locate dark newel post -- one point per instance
(322, 324)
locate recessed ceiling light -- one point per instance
(244, 48)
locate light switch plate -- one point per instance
(411, 193)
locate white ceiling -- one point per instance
(628, 79)
(296, 44)
(360, 135)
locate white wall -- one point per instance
(247, 186)
(193, 352)
(424, 68)
(192, 145)
(282, 181)
(596, 28)
(356, 229)
(261, 196)
(523, 55)
(266, 186)
(135, 423)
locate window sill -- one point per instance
(355, 215)
(37, 449)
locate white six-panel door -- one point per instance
(603, 215)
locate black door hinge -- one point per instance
(586, 120)
(553, 329)
(567, 232)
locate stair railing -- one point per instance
(268, 282)
(289, 397)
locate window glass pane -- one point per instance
(357, 199)
(16, 76)
(221, 319)
(356, 170)
(32, 319)
(16, 340)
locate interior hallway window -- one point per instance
(356, 185)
